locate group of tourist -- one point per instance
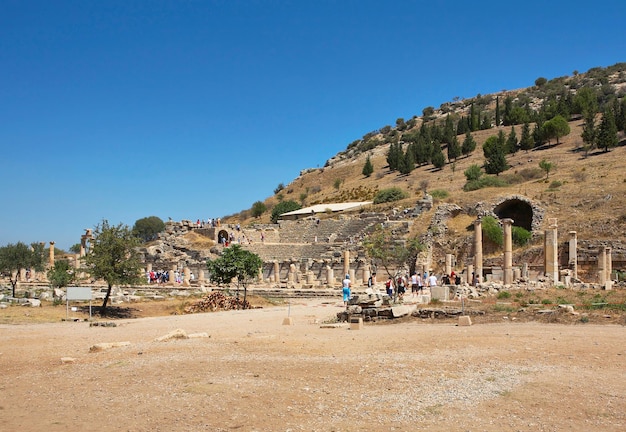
(417, 281)
(157, 277)
(210, 223)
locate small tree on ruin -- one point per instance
(391, 253)
(113, 257)
(235, 263)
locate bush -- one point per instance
(555, 184)
(390, 195)
(503, 295)
(484, 182)
(520, 236)
(439, 194)
(473, 173)
(284, 207)
(492, 230)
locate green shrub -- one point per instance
(555, 184)
(284, 207)
(484, 182)
(520, 236)
(439, 194)
(492, 230)
(546, 301)
(503, 295)
(390, 195)
(473, 173)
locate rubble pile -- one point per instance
(216, 301)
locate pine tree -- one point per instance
(368, 168)
(589, 131)
(607, 131)
(454, 149)
(538, 137)
(511, 142)
(394, 155)
(437, 158)
(407, 163)
(469, 145)
(526, 141)
(461, 126)
(497, 111)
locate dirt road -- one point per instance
(252, 373)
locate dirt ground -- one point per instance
(247, 371)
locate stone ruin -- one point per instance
(314, 254)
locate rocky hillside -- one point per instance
(585, 191)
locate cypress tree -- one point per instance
(368, 168)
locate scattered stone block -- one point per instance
(465, 321)
(67, 360)
(400, 311)
(288, 321)
(440, 293)
(107, 345)
(198, 335)
(174, 334)
(356, 323)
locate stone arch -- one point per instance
(523, 211)
(222, 234)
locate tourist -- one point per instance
(414, 284)
(401, 287)
(389, 287)
(420, 284)
(432, 280)
(370, 280)
(346, 290)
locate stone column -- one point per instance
(551, 252)
(508, 250)
(352, 273)
(478, 249)
(330, 276)
(525, 274)
(291, 276)
(449, 264)
(470, 270)
(201, 275)
(149, 267)
(276, 272)
(186, 277)
(573, 254)
(172, 276)
(366, 276)
(346, 263)
(77, 260)
(609, 263)
(51, 257)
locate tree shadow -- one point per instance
(115, 312)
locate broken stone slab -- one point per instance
(198, 335)
(107, 345)
(465, 321)
(400, 311)
(356, 323)
(68, 360)
(174, 334)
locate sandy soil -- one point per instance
(252, 373)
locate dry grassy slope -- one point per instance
(591, 200)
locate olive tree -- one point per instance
(113, 257)
(392, 253)
(235, 263)
(17, 257)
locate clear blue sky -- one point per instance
(196, 109)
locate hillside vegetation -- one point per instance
(583, 187)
